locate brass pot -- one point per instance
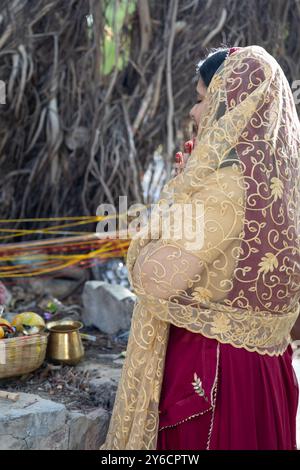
(64, 344)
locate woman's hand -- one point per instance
(182, 157)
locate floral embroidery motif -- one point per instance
(221, 323)
(202, 294)
(156, 391)
(197, 384)
(268, 263)
(216, 83)
(276, 187)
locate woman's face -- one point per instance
(200, 106)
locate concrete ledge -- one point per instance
(35, 423)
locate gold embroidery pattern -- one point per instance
(186, 419)
(241, 286)
(261, 332)
(201, 294)
(214, 398)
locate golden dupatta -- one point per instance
(241, 284)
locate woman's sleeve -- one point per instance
(295, 332)
(169, 266)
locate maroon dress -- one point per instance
(256, 397)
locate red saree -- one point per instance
(256, 398)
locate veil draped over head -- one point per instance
(232, 271)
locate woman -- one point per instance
(208, 363)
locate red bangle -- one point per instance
(233, 49)
(188, 146)
(179, 157)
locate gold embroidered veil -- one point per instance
(220, 253)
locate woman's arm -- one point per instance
(295, 332)
(165, 268)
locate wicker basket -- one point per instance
(23, 354)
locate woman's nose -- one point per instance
(191, 113)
